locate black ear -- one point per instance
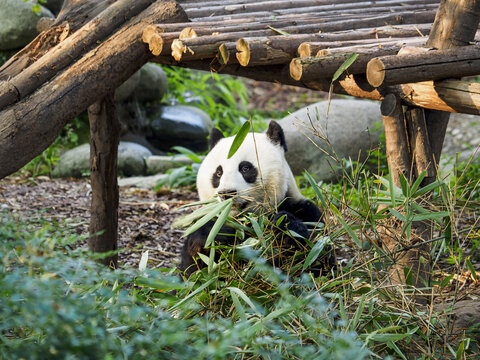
(275, 134)
(215, 136)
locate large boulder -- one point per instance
(181, 125)
(76, 162)
(318, 143)
(18, 23)
(153, 84)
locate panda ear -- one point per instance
(276, 135)
(215, 136)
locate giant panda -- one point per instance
(258, 177)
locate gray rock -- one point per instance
(181, 125)
(160, 164)
(349, 130)
(76, 162)
(128, 87)
(153, 83)
(18, 23)
(143, 182)
(131, 159)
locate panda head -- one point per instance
(257, 175)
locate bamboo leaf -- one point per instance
(238, 306)
(315, 252)
(193, 293)
(397, 214)
(206, 218)
(243, 296)
(404, 185)
(435, 216)
(347, 227)
(238, 140)
(316, 189)
(143, 261)
(428, 188)
(346, 64)
(219, 223)
(418, 181)
(471, 268)
(281, 32)
(356, 318)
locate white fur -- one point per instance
(275, 180)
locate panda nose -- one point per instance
(225, 194)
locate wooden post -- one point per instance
(398, 153)
(455, 24)
(104, 139)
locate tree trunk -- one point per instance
(99, 72)
(104, 139)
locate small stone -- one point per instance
(142, 182)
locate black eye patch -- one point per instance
(216, 176)
(248, 171)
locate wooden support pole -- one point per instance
(420, 143)
(396, 138)
(104, 139)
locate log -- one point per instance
(99, 72)
(104, 139)
(323, 67)
(325, 10)
(64, 53)
(73, 15)
(455, 24)
(277, 6)
(383, 35)
(431, 65)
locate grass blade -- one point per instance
(244, 297)
(194, 293)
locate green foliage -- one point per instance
(184, 175)
(223, 98)
(467, 180)
(56, 304)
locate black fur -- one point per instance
(275, 133)
(217, 176)
(215, 136)
(248, 171)
(291, 216)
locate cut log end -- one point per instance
(188, 33)
(304, 50)
(243, 54)
(375, 72)
(152, 37)
(296, 69)
(178, 49)
(224, 54)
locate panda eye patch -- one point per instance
(216, 176)
(248, 171)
